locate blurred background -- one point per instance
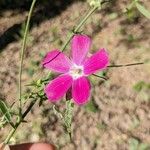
(118, 115)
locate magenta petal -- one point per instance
(81, 90)
(97, 61)
(57, 88)
(80, 46)
(57, 61)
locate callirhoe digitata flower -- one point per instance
(74, 71)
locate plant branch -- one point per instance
(20, 77)
(22, 52)
(104, 78)
(126, 65)
(76, 29)
(20, 121)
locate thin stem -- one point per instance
(126, 65)
(10, 135)
(19, 122)
(22, 53)
(85, 19)
(76, 29)
(104, 78)
(70, 136)
(20, 76)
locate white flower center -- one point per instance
(76, 71)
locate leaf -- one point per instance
(3, 122)
(143, 10)
(5, 111)
(91, 106)
(139, 86)
(133, 144)
(57, 112)
(144, 146)
(68, 115)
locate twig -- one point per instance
(127, 65)
(22, 53)
(77, 28)
(104, 78)
(20, 76)
(19, 122)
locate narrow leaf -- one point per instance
(57, 112)
(68, 115)
(3, 122)
(143, 10)
(5, 111)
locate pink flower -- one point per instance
(74, 71)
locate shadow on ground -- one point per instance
(45, 9)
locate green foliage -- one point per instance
(135, 123)
(30, 71)
(143, 10)
(34, 65)
(3, 122)
(131, 38)
(91, 107)
(131, 12)
(143, 89)
(68, 115)
(102, 126)
(113, 16)
(144, 146)
(6, 113)
(57, 112)
(42, 54)
(95, 3)
(141, 85)
(39, 93)
(138, 86)
(102, 75)
(134, 144)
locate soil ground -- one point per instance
(118, 118)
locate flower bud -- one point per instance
(95, 3)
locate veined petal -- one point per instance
(57, 88)
(81, 90)
(97, 61)
(57, 61)
(80, 46)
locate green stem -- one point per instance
(20, 76)
(104, 78)
(127, 65)
(22, 53)
(10, 135)
(85, 19)
(19, 122)
(77, 28)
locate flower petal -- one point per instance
(81, 90)
(57, 61)
(97, 61)
(57, 88)
(80, 46)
